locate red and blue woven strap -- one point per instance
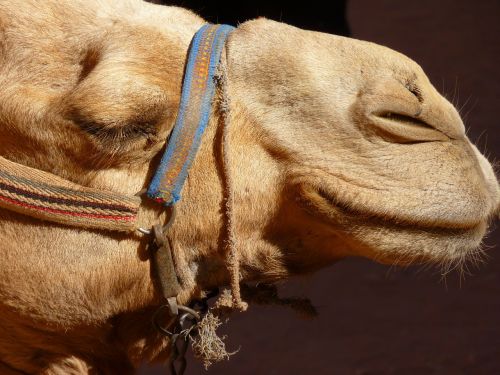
(194, 112)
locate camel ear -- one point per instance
(119, 107)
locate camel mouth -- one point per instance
(392, 241)
(332, 210)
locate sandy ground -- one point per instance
(376, 320)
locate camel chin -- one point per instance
(392, 241)
(447, 248)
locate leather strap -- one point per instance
(165, 269)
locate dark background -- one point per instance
(375, 319)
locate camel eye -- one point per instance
(117, 132)
(117, 113)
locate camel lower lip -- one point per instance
(338, 209)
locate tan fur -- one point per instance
(89, 91)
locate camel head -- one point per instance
(374, 161)
(338, 148)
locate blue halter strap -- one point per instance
(194, 112)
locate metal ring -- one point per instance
(187, 311)
(147, 232)
(158, 326)
(190, 311)
(173, 213)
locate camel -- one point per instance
(338, 148)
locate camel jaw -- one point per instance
(393, 241)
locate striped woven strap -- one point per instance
(194, 112)
(45, 196)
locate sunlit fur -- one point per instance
(339, 148)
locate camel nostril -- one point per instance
(401, 126)
(415, 90)
(403, 119)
